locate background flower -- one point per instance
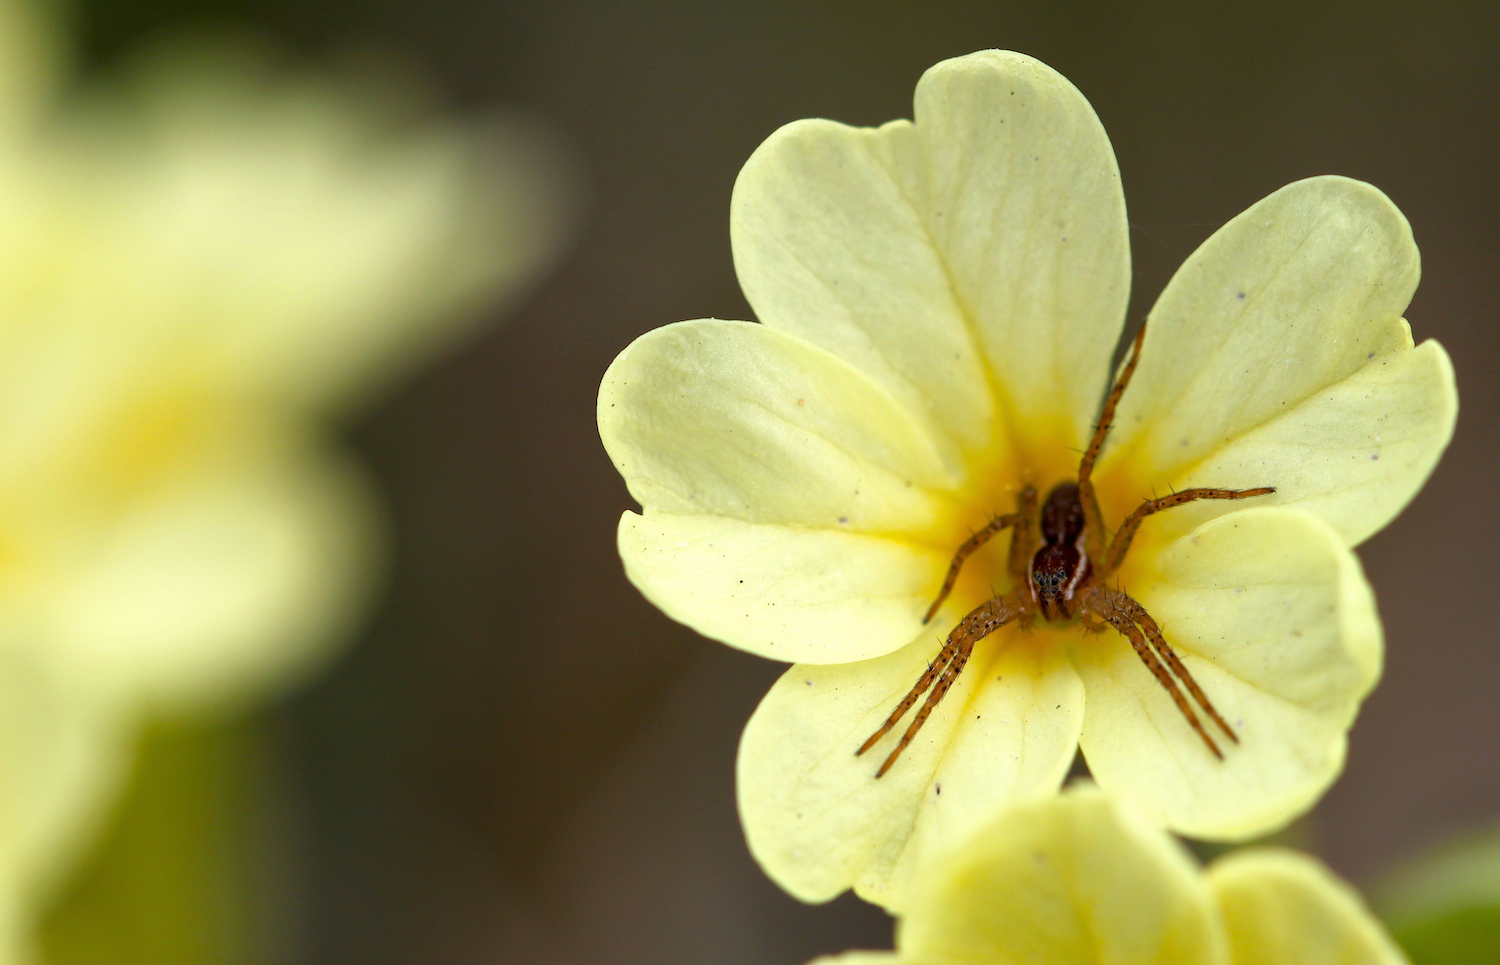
(1073, 879)
(204, 262)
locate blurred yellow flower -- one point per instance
(203, 262)
(1072, 879)
(939, 302)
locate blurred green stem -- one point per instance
(187, 870)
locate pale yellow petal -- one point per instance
(1277, 356)
(1283, 907)
(819, 821)
(733, 419)
(781, 489)
(63, 754)
(978, 253)
(1273, 617)
(221, 586)
(784, 592)
(1068, 880)
(1354, 454)
(857, 958)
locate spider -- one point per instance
(1065, 577)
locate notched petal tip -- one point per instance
(996, 219)
(737, 420)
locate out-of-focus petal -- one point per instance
(63, 754)
(1284, 907)
(1273, 617)
(305, 236)
(975, 259)
(819, 821)
(225, 584)
(1277, 356)
(1068, 880)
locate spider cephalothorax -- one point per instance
(1062, 578)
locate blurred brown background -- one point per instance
(522, 761)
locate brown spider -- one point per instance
(1060, 580)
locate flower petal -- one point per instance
(1284, 907)
(62, 757)
(1068, 880)
(298, 233)
(1354, 454)
(224, 584)
(782, 592)
(1273, 617)
(1278, 357)
(734, 419)
(819, 821)
(857, 958)
(980, 253)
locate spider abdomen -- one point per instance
(1061, 566)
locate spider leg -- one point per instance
(1093, 519)
(938, 665)
(939, 691)
(1021, 537)
(1154, 634)
(1126, 533)
(1119, 618)
(943, 672)
(973, 543)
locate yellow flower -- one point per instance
(1072, 879)
(203, 264)
(939, 302)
